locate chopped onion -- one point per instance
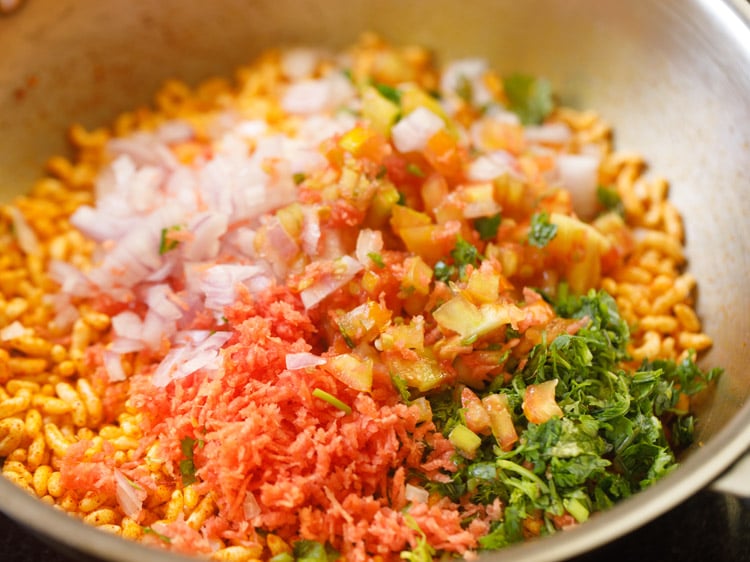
(416, 494)
(200, 350)
(548, 133)
(250, 506)
(413, 131)
(299, 63)
(12, 331)
(219, 283)
(25, 235)
(345, 268)
(130, 495)
(492, 165)
(295, 361)
(368, 242)
(579, 174)
(127, 325)
(113, 366)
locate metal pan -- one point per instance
(673, 76)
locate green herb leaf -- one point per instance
(388, 92)
(313, 551)
(150, 531)
(422, 551)
(487, 226)
(332, 400)
(444, 272)
(464, 89)
(298, 178)
(376, 258)
(165, 243)
(610, 199)
(530, 98)
(187, 465)
(464, 254)
(414, 170)
(541, 231)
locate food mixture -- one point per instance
(349, 305)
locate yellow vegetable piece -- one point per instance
(353, 371)
(379, 111)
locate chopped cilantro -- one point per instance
(401, 199)
(298, 178)
(464, 89)
(187, 465)
(332, 400)
(313, 551)
(542, 230)
(376, 258)
(150, 531)
(349, 74)
(487, 226)
(166, 244)
(388, 92)
(444, 272)
(422, 551)
(610, 199)
(528, 97)
(414, 170)
(464, 254)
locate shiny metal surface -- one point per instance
(673, 76)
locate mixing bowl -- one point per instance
(672, 76)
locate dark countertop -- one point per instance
(708, 527)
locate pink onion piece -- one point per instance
(413, 131)
(303, 360)
(12, 331)
(200, 350)
(344, 270)
(25, 235)
(492, 165)
(368, 242)
(250, 506)
(113, 366)
(130, 495)
(416, 494)
(548, 133)
(219, 283)
(579, 174)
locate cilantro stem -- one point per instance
(332, 400)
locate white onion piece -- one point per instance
(130, 496)
(71, 280)
(491, 166)
(310, 231)
(127, 324)
(303, 360)
(416, 494)
(162, 300)
(548, 133)
(113, 366)
(299, 63)
(316, 96)
(207, 229)
(413, 131)
(471, 70)
(200, 351)
(579, 174)
(219, 283)
(12, 331)
(250, 506)
(478, 209)
(127, 345)
(175, 131)
(368, 242)
(344, 270)
(25, 235)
